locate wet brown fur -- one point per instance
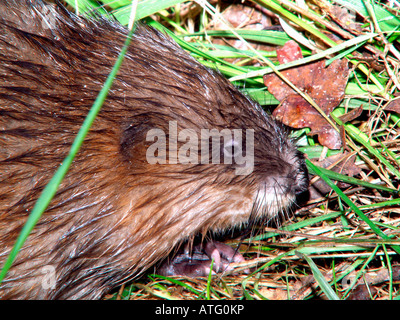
(115, 215)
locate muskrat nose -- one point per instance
(290, 183)
(300, 184)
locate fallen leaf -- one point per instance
(344, 17)
(362, 292)
(393, 106)
(324, 85)
(242, 17)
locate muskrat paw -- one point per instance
(197, 262)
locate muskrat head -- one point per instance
(240, 167)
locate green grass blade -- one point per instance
(277, 38)
(387, 21)
(363, 139)
(360, 214)
(323, 284)
(87, 7)
(145, 8)
(209, 279)
(178, 282)
(353, 44)
(343, 178)
(210, 61)
(271, 4)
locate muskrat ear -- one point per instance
(133, 138)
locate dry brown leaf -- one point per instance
(240, 16)
(362, 292)
(243, 17)
(345, 16)
(393, 106)
(324, 85)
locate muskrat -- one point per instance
(118, 212)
